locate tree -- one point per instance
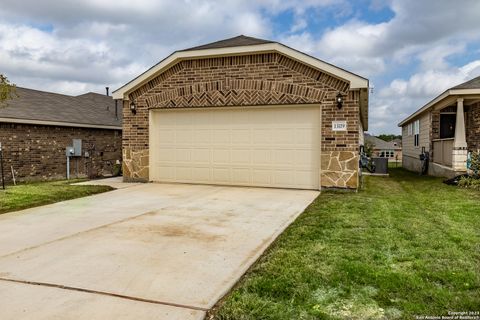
(368, 148)
(389, 137)
(7, 89)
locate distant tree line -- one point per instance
(389, 137)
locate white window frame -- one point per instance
(416, 133)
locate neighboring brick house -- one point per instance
(392, 150)
(448, 127)
(244, 111)
(37, 126)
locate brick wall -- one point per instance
(473, 127)
(249, 80)
(37, 152)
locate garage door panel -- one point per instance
(201, 174)
(184, 136)
(261, 136)
(183, 173)
(166, 136)
(221, 174)
(261, 156)
(272, 147)
(304, 136)
(284, 136)
(284, 177)
(305, 178)
(305, 158)
(201, 156)
(262, 177)
(241, 175)
(221, 135)
(183, 155)
(202, 136)
(167, 154)
(284, 157)
(221, 156)
(165, 173)
(240, 156)
(240, 136)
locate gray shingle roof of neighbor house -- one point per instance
(231, 42)
(382, 144)
(470, 84)
(461, 89)
(40, 107)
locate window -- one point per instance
(416, 133)
(447, 125)
(386, 154)
(409, 128)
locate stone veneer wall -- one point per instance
(249, 80)
(339, 159)
(37, 152)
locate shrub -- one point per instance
(475, 163)
(470, 182)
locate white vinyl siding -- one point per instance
(408, 136)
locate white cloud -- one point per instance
(97, 43)
(74, 46)
(403, 97)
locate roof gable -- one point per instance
(241, 45)
(231, 42)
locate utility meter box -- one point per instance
(77, 147)
(381, 165)
(69, 151)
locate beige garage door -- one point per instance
(269, 147)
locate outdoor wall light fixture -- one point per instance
(133, 107)
(339, 101)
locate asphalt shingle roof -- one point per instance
(231, 42)
(470, 84)
(90, 108)
(382, 144)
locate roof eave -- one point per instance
(356, 82)
(59, 123)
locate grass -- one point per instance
(402, 246)
(27, 195)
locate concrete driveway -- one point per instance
(151, 251)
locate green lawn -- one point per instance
(28, 195)
(403, 246)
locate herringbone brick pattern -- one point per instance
(230, 92)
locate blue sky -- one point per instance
(410, 50)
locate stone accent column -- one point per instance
(459, 152)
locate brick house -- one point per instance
(448, 127)
(244, 111)
(37, 126)
(392, 150)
